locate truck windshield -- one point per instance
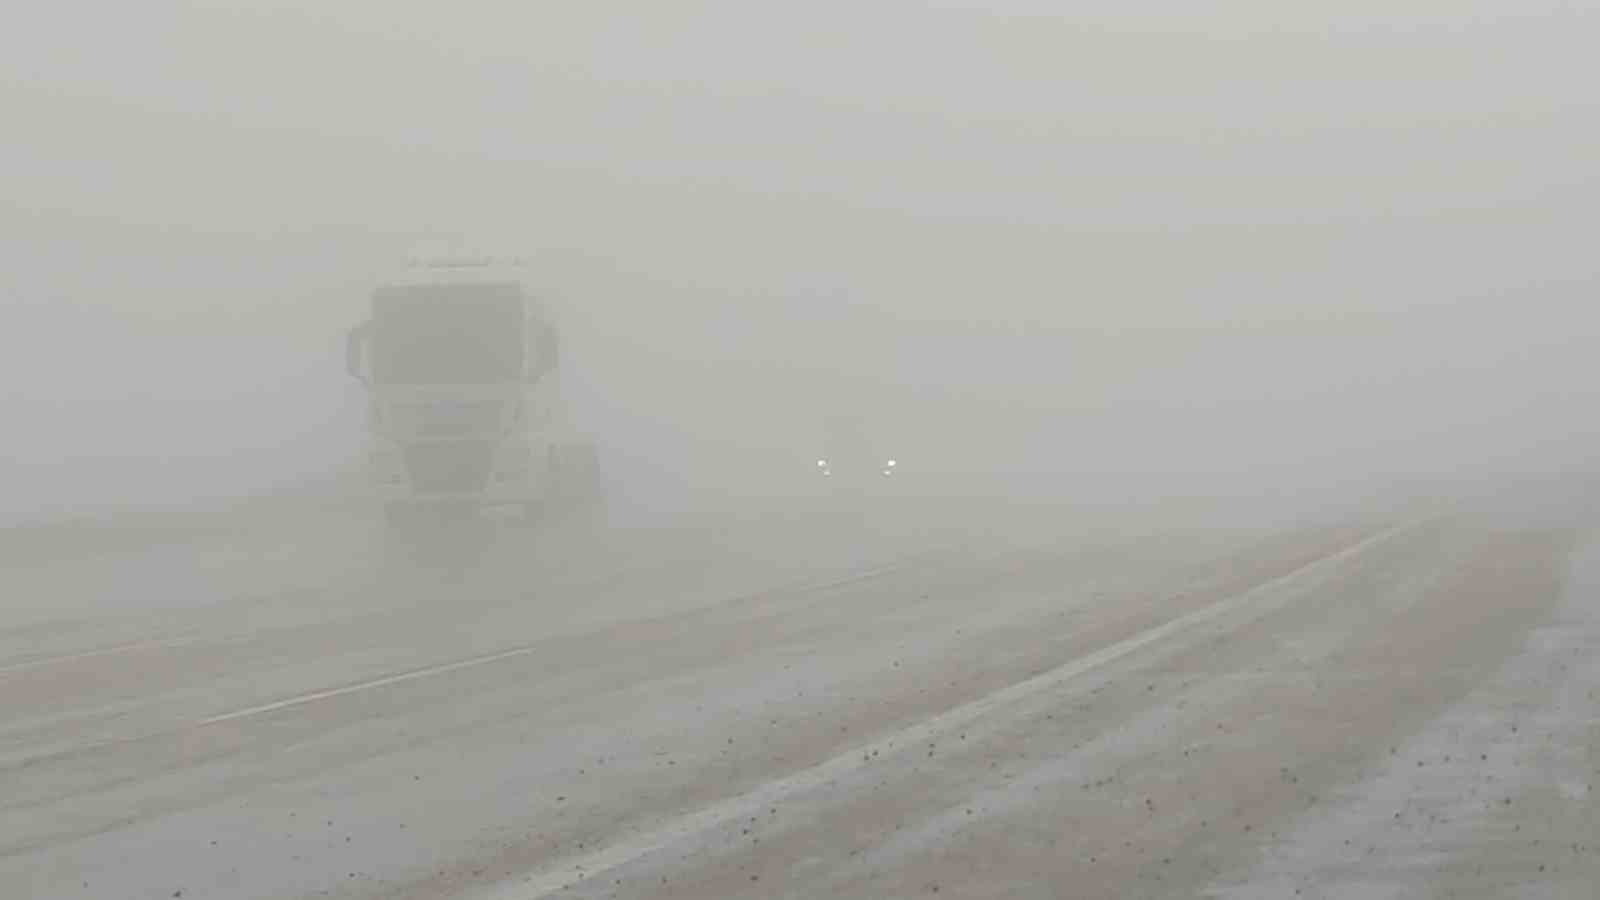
(448, 334)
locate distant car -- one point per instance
(848, 454)
(855, 468)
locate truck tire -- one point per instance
(530, 513)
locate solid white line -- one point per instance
(302, 699)
(769, 793)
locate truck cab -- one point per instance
(460, 360)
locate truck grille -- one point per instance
(449, 465)
(439, 418)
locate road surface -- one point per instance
(802, 706)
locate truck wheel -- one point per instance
(530, 513)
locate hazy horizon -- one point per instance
(1243, 246)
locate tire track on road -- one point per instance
(575, 870)
(448, 666)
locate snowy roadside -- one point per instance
(1494, 796)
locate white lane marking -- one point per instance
(90, 654)
(770, 793)
(369, 685)
(485, 659)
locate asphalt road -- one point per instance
(810, 704)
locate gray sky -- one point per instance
(1094, 235)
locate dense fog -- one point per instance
(1289, 256)
(736, 448)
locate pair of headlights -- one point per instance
(825, 469)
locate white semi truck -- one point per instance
(461, 362)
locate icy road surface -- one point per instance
(809, 704)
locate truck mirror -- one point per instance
(354, 345)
